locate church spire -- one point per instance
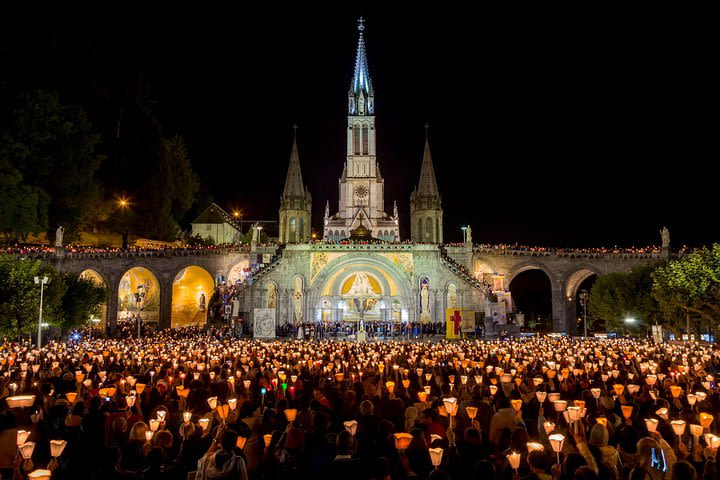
(293, 182)
(427, 185)
(361, 95)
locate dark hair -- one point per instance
(683, 471)
(538, 459)
(483, 470)
(228, 440)
(585, 473)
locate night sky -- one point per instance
(543, 131)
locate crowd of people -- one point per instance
(192, 403)
(373, 329)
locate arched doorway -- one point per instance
(577, 289)
(139, 295)
(192, 288)
(99, 322)
(532, 296)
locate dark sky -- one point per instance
(546, 131)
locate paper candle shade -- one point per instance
(675, 391)
(627, 411)
(26, 449)
(651, 379)
(204, 422)
(516, 404)
(161, 415)
(706, 419)
(427, 389)
(556, 442)
(240, 443)
(246, 384)
(574, 413)
(493, 389)
(339, 377)
(541, 396)
(154, 424)
(20, 401)
(712, 440)
(537, 381)
(267, 439)
(595, 392)
(451, 378)
(678, 427)
(696, 430)
(390, 386)
(232, 403)
(602, 421)
(111, 391)
(436, 455)
(662, 413)
(148, 435)
(451, 405)
(560, 405)
(212, 401)
(632, 388)
(422, 396)
(290, 414)
(40, 474)
(534, 446)
(514, 460)
(471, 412)
(402, 440)
(618, 389)
(406, 383)
(57, 447)
(701, 396)
(187, 416)
(604, 377)
(651, 424)
(351, 426)
(549, 427)
(506, 378)
(552, 397)
(691, 398)
(22, 437)
(130, 399)
(139, 388)
(223, 411)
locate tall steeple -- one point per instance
(361, 187)
(295, 202)
(293, 180)
(425, 204)
(361, 97)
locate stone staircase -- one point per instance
(460, 271)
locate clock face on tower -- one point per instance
(361, 191)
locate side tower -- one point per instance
(426, 215)
(295, 202)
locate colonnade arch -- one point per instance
(192, 289)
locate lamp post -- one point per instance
(584, 301)
(42, 281)
(123, 203)
(464, 230)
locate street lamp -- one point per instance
(42, 281)
(584, 300)
(123, 203)
(464, 230)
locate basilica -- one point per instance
(361, 255)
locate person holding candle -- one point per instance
(220, 461)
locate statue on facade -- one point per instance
(665, 235)
(201, 303)
(59, 236)
(361, 285)
(425, 302)
(468, 234)
(297, 299)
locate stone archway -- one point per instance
(390, 282)
(192, 288)
(575, 279)
(98, 279)
(139, 293)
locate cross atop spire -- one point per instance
(361, 78)
(293, 182)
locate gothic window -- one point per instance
(301, 230)
(420, 235)
(356, 140)
(342, 234)
(429, 229)
(361, 104)
(293, 228)
(365, 140)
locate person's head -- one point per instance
(163, 439)
(599, 435)
(345, 443)
(538, 461)
(318, 393)
(585, 473)
(228, 440)
(683, 471)
(571, 463)
(428, 416)
(367, 408)
(119, 425)
(483, 470)
(137, 432)
(644, 450)
(438, 474)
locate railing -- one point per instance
(267, 268)
(460, 271)
(569, 254)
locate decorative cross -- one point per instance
(456, 319)
(361, 24)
